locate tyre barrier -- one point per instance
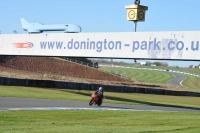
(89, 86)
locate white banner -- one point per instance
(137, 45)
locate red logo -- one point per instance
(23, 45)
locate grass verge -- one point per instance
(147, 76)
(98, 122)
(193, 83)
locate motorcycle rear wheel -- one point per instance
(100, 102)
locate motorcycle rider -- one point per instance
(100, 92)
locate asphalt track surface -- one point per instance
(177, 80)
(11, 103)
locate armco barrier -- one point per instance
(87, 86)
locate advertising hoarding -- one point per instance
(126, 45)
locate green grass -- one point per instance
(31, 92)
(98, 122)
(195, 71)
(156, 77)
(181, 69)
(146, 76)
(160, 67)
(192, 82)
(163, 67)
(111, 97)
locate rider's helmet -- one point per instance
(100, 88)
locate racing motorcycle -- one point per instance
(95, 100)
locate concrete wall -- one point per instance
(86, 86)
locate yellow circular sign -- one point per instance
(131, 14)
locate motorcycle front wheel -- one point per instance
(91, 102)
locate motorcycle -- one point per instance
(95, 100)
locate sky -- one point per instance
(103, 16)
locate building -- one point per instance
(136, 64)
(143, 63)
(153, 64)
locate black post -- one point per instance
(135, 25)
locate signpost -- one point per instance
(136, 13)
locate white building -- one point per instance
(142, 63)
(153, 64)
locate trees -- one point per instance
(157, 63)
(148, 63)
(111, 61)
(160, 63)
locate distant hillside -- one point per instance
(48, 65)
(51, 68)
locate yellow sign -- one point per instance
(136, 12)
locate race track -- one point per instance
(10, 103)
(177, 80)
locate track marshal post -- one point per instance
(136, 12)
